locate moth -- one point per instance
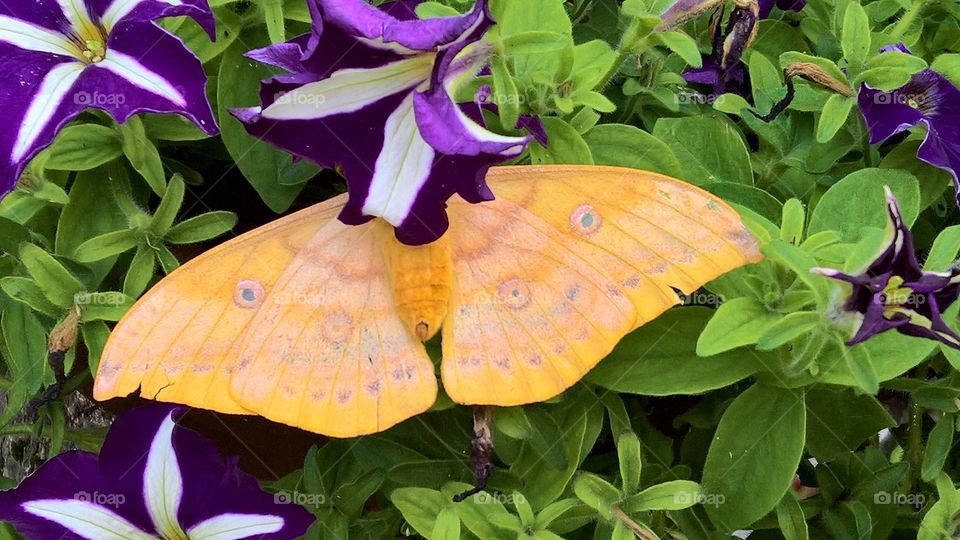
(320, 325)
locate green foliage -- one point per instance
(741, 409)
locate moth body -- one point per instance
(421, 278)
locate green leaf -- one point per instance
(831, 435)
(833, 116)
(857, 201)
(855, 38)
(597, 493)
(595, 100)
(939, 521)
(26, 358)
(628, 456)
(505, 93)
(27, 291)
(792, 223)
(939, 444)
(897, 60)
(169, 206)
(546, 432)
(658, 359)
(140, 272)
(350, 497)
(565, 146)
(754, 454)
(172, 127)
(57, 283)
(948, 65)
(673, 495)
(788, 328)
(628, 146)
(107, 245)
(273, 15)
(736, 323)
(419, 506)
(272, 172)
(709, 149)
(83, 147)
(793, 524)
(944, 250)
(143, 154)
(886, 79)
(431, 10)
(754, 198)
(730, 103)
(12, 234)
(103, 306)
(91, 212)
(536, 42)
(202, 227)
(682, 44)
(447, 526)
(857, 361)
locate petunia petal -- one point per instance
(401, 169)
(162, 482)
(115, 12)
(383, 27)
(85, 519)
(41, 113)
(136, 74)
(77, 14)
(235, 527)
(30, 37)
(350, 90)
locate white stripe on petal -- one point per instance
(350, 90)
(235, 526)
(46, 101)
(76, 12)
(85, 519)
(402, 167)
(34, 38)
(162, 482)
(138, 75)
(121, 8)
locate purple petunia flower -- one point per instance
(153, 480)
(893, 292)
(372, 90)
(929, 99)
(63, 56)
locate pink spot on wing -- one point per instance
(514, 294)
(248, 294)
(585, 220)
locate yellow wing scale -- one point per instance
(315, 324)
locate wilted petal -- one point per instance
(235, 527)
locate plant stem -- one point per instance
(867, 148)
(904, 23)
(915, 443)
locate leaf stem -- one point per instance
(904, 23)
(915, 442)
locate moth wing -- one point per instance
(564, 263)
(180, 342)
(332, 355)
